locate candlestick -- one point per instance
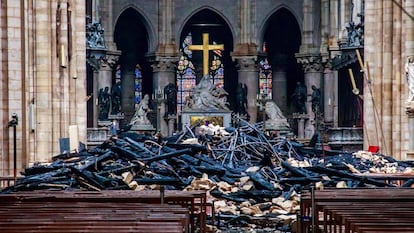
(359, 59)
(351, 76)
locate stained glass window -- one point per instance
(186, 78)
(265, 76)
(137, 82)
(217, 70)
(137, 85)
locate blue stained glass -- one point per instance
(137, 84)
(186, 78)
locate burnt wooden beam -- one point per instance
(333, 172)
(166, 155)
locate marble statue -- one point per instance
(140, 115)
(208, 97)
(276, 118)
(409, 69)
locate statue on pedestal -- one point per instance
(208, 97)
(140, 116)
(276, 119)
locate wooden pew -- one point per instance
(357, 210)
(71, 215)
(98, 212)
(195, 201)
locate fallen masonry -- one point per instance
(248, 177)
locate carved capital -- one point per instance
(310, 62)
(162, 64)
(102, 59)
(109, 60)
(246, 62)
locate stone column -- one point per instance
(329, 97)
(301, 128)
(107, 64)
(171, 119)
(313, 68)
(163, 74)
(127, 95)
(104, 76)
(249, 74)
(409, 28)
(279, 81)
(409, 49)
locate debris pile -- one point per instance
(246, 173)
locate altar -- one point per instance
(207, 103)
(221, 118)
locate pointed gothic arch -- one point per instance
(281, 40)
(133, 40)
(206, 20)
(266, 21)
(205, 9)
(146, 22)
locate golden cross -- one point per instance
(205, 47)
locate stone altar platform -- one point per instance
(96, 136)
(346, 138)
(279, 127)
(143, 129)
(222, 118)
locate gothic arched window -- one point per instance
(217, 70)
(186, 78)
(137, 85)
(137, 82)
(265, 75)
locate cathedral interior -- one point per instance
(178, 116)
(80, 71)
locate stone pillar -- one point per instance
(301, 128)
(279, 81)
(329, 97)
(171, 119)
(249, 74)
(127, 95)
(409, 28)
(104, 77)
(409, 49)
(313, 68)
(107, 64)
(163, 74)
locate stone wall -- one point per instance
(45, 90)
(385, 92)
